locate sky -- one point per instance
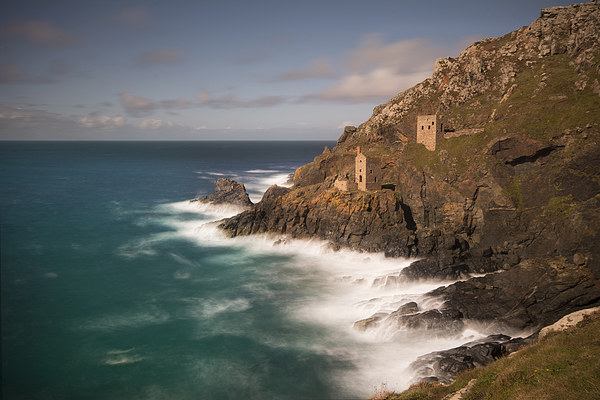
(225, 69)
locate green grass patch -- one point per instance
(514, 191)
(560, 207)
(541, 107)
(561, 366)
(423, 158)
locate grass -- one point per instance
(514, 191)
(542, 111)
(560, 207)
(561, 366)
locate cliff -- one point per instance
(513, 187)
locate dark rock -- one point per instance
(228, 191)
(408, 308)
(428, 269)
(518, 149)
(446, 365)
(535, 293)
(447, 321)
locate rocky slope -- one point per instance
(514, 187)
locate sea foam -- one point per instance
(342, 287)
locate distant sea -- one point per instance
(115, 286)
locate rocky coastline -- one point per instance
(510, 206)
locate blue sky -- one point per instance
(224, 69)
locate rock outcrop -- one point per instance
(444, 366)
(228, 191)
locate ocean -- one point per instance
(115, 286)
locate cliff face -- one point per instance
(517, 176)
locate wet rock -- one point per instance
(370, 322)
(408, 308)
(446, 365)
(447, 321)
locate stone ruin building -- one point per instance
(430, 130)
(367, 172)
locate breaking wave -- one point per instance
(337, 289)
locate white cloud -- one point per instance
(151, 124)
(318, 69)
(134, 17)
(102, 122)
(231, 101)
(377, 71)
(160, 124)
(203, 98)
(376, 85)
(137, 106)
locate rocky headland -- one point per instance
(511, 193)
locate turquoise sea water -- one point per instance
(115, 286)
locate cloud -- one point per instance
(133, 17)
(59, 67)
(376, 71)
(254, 57)
(231, 101)
(151, 123)
(160, 124)
(376, 85)
(42, 33)
(10, 72)
(164, 56)
(16, 124)
(178, 104)
(102, 122)
(318, 69)
(137, 106)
